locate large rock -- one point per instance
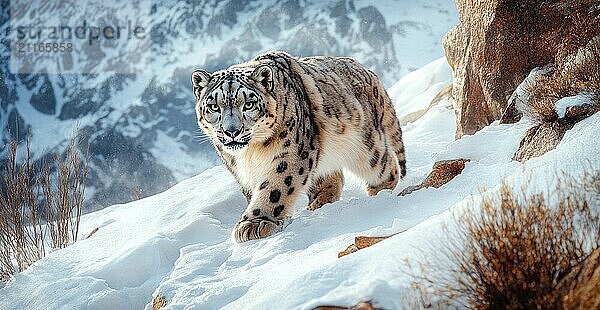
(498, 42)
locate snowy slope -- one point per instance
(177, 243)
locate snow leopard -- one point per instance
(286, 126)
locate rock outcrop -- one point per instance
(498, 42)
(555, 98)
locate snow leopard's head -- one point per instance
(234, 106)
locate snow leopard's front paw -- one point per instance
(256, 228)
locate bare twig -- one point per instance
(34, 206)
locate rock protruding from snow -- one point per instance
(442, 172)
(540, 139)
(545, 136)
(580, 100)
(361, 242)
(495, 46)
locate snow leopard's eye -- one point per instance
(249, 105)
(213, 107)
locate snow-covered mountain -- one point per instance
(177, 244)
(131, 100)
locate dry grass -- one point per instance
(63, 198)
(575, 74)
(513, 251)
(136, 192)
(21, 231)
(38, 208)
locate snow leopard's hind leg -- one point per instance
(387, 156)
(384, 174)
(325, 189)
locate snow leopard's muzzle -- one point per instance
(233, 134)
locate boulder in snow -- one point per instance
(497, 43)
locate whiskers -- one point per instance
(201, 137)
(262, 134)
(246, 137)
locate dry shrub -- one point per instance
(575, 74)
(38, 208)
(513, 250)
(63, 198)
(21, 231)
(137, 192)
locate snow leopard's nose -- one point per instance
(232, 122)
(232, 133)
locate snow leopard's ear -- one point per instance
(200, 79)
(263, 75)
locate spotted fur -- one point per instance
(286, 126)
